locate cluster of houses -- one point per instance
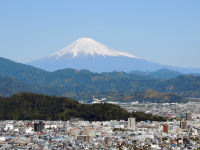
(109, 135)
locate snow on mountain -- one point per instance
(88, 54)
(85, 53)
(86, 47)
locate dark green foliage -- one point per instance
(24, 73)
(29, 106)
(160, 74)
(10, 85)
(188, 86)
(119, 129)
(114, 88)
(118, 86)
(140, 116)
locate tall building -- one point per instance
(39, 126)
(189, 116)
(165, 128)
(183, 125)
(131, 123)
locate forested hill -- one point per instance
(30, 106)
(83, 84)
(10, 85)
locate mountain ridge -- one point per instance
(83, 84)
(88, 54)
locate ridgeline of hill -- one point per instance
(30, 106)
(167, 85)
(10, 85)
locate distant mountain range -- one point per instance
(83, 84)
(88, 54)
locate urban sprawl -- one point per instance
(180, 132)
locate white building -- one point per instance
(131, 123)
(8, 127)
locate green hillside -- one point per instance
(83, 84)
(30, 106)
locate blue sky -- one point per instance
(163, 31)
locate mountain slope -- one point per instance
(22, 72)
(10, 85)
(88, 54)
(30, 106)
(88, 47)
(165, 74)
(187, 85)
(160, 74)
(84, 84)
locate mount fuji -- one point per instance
(85, 53)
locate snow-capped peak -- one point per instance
(86, 47)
